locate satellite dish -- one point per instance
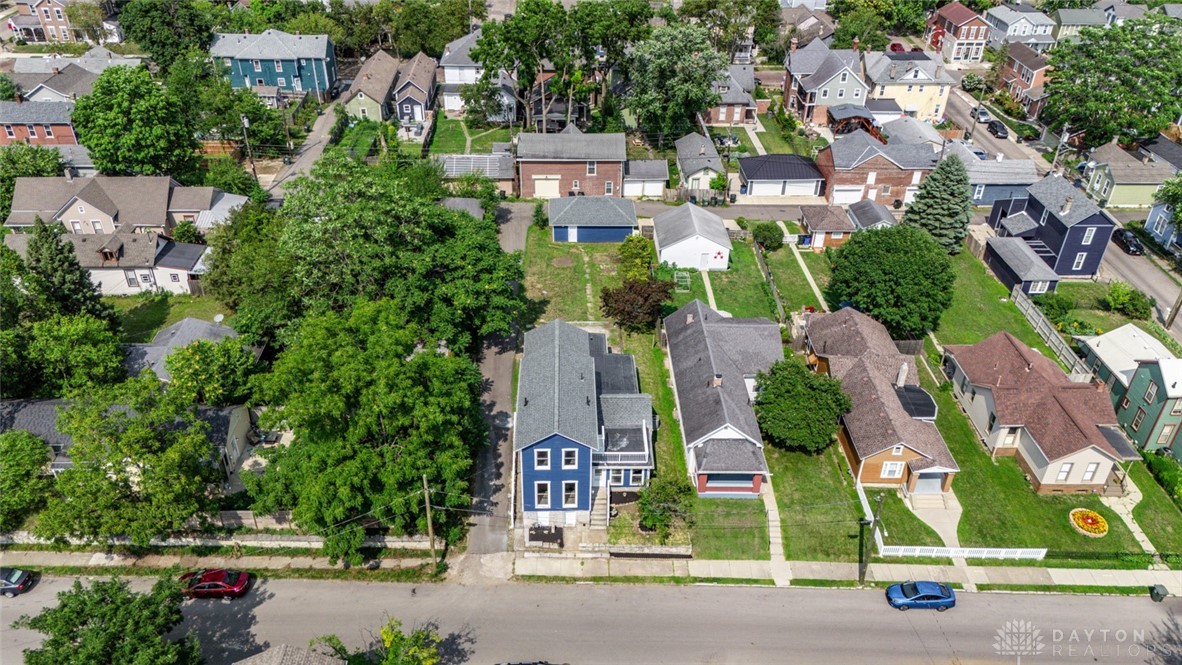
(219, 318)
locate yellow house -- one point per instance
(915, 80)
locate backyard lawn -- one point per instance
(482, 139)
(978, 310)
(1092, 310)
(741, 290)
(143, 318)
(745, 145)
(1157, 515)
(555, 277)
(1001, 509)
(819, 268)
(449, 136)
(795, 291)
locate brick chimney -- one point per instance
(792, 44)
(856, 43)
(894, 70)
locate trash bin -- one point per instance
(734, 198)
(693, 199)
(713, 200)
(1158, 593)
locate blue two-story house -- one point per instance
(1160, 225)
(278, 63)
(582, 429)
(1058, 225)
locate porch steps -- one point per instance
(921, 501)
(599, 509)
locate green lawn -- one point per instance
(901, 525)
(774, 142)
(654, 380)
(741, 290)
(555, 277)
(795, 291)
(1001, 509)
(697, 290)
(143, 318)
(1092, 310)
(730, 529)
(360, 138)
(819, 267)
(1157, 515)
(449, 136)
(482, 139)
(978, 310)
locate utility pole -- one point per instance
(430, 526)
(1173, 311)
(249, 152)
(1064, 136)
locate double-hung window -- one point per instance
(542, 494)
(892, 470)
(542, 460)
(570, 458)
(592, 167)
(278, 65)
(1150, 392)
(570, 494)
(1065, 472)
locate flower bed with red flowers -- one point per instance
(1089, 522)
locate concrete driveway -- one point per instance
(307, 155)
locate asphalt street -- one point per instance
(960, 109)
(652, 625)
(1141, 273)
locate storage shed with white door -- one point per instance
(690, 237)
(592, 219)
(780, 175)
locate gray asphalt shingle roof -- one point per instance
(1022, 260)
(992, 171)
(686, 221)
(463, 204)
(35, 113)
(834, 63)
(1127, 169)
(889, 68)
(696, 152)
(807, 59)
(729, 456)
(178, 335)
(289, 655)
(1018, 223)
(131, 250)
(571, 145)
(851, 150)
(826, 218)
(375, 78)
(1053, 190)
(556, 387)
(1165, 149)
(269, 45)
(592, 211)
(907, 130)
(1084, 16)
(458, 53)
(646, 169)
(867, 213)
(415, 76)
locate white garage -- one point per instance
(846, 194)
(690, 237)
(547, 187)
(780, 175)
(645, 178)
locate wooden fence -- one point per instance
(1050, 334)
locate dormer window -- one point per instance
(724, 88)
(107, 254)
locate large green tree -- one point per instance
(672, 75)
(215, 108)
(864, 25)
(614, 26)
(798, 408)
(109, 624)
(1171, 194)
(211, 373)
(19, 160)
(900, 276)
(728, 22)
(420, 646)
(87, 17)
(133, 126)
(636, 304)
(944, 205)
(520, 43)
(1119, 81)
(72, 353)
(64, 287)
(375, 405)
(355, 231)
(24, 483)
(166, 28)
(225, 173)
(141, 466)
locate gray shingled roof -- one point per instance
(696, 152)
(571, 146)
(289, 655)
(1172, 9)
(807, 59)
(414, 78)
(1164, 149)
(992, 171)
(1018, 223)
(269, 45)
(458, 53)
(461, 204)
(832, 65)
(131, 250)
(375, 78)
(705, 346)
(646, 169)
(498, 166)
(686, 221)
(35, 113)
(826, 218)
(879, 68)
(851, 150)
(909, 130)
(1028, 57)
(1022, 260)
(1053, 190)
(867, 213)
(729, 455)
(132, 201)
(556, 387)
(1127, 169)
(37, 417)
(592, 211)
(72, 80)
(178, 335)
(779, 167)
(96, 60)
(1085, 16)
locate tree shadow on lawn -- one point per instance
(141, 321)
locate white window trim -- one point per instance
(978, 191)
(1039, 287)
(537, 465)
(281, 81)
(891, 470)
(575, 503)
(257, 64)
(1090, 471)
(1079, 261)
(1138, 419)
(1151, 392)
(570, 450)
(897, 449)
(1064, 471)
(609, 188)
(278, 66)
(592, 167)
(615, 477)
(1089, 234)
(637, 477)
(538, 485)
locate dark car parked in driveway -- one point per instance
(14, 581)
(219, 583)
(1125, 239)
(999, 129)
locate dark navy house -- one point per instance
(279, 63)
(1058, 225)
(582, 428)
(592, 219)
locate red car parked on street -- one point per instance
(218, 583)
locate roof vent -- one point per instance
(901, 378)
(689, 319)
(716, 382)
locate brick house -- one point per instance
(570, 163)
(37, 123)
(1025, 75)
(858, 167)
(47, 21)
(736, 105)
(958, 33)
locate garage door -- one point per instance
(766, 188)
(546, 187)
(800, 187)
(654, 188)
(846, 195)
(633, 188)
(929, 483)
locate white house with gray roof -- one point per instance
(1020, 24)
(645, 178)
(697, 161)
(581, 428)
(690, 237)
(459, 69)
(820, 77)
(714, 361)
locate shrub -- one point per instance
(1166, 471)
(541, 219)
(719, 182)
(971, 82)
(769, 235)
(1124, 299)
(665, 501)
(1054, 305)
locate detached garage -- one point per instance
(645, 178)
(781, 175)
(690, 237)
(592, 219)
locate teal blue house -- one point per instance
(1144, 380)
(277, 64)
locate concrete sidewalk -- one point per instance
(35, 559)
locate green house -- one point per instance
(1116, 178)
(1144, 380)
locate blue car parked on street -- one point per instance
(921, 595)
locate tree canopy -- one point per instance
(132, 126)
(213, 373)
(72, 353)
(420, 646)
(1171, 193)
(57, 281)
(107, 623)
(798, 408)
(1118, 81)
(899, 275)
(944, 205)
(520, 43)
(23, 485)
(864, 25)
(672, 75)
(374, 404)
(636, 304)
(166, 28)
(18, 160)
